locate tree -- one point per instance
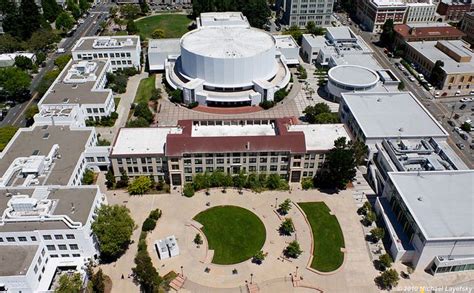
(144, 8)
(30, 18)
(293, 250)
(360, 151)
(310, 112)
(437, 73)
(129, 11)
(311, 28)
(98, 282)
(62, 61)
(466, 126)
(64, 21)
(188, 190)
(110, 178)
(142, 110)
(377, 233)
(287, 227)
(158, 34)
(131, 27)
(259, 257)
(388, 34)
(198, 239)
(15, 83)
(51, 9)
(23, 62)
(30, 113)
(140, 185)
(88, 177)
(284, 207)
(339, 167)
(69, 283)
(385, 261)
(113, 228)
(388, 279)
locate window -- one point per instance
(50, 247)
(22, 239)
(70, 236)
(62, 247)
(73, 246)
(58, 237)
(10, 239)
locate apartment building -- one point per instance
(122, 51)
(80, 85)
(453, 10)
(50, 155)
(44, 232)
(436, 31)
(300, 12)
(467, 26)
(410, 155)
(374, 13)
(457, 57)
(271, 146)
(372, 117)
(428, 219)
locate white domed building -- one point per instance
(225, 62)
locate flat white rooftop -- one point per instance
(442, 203)
(227, 42)
(142, 140)
(321, 136)
(392, 114)
(233, 130)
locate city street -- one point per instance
(88, 28)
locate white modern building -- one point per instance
(428, 218)
(159, 50)
(50, 155)
(373, 117)
(44, 232)
(223, 63)
(122, 51)
(410, 155)
(79, 93)
(8, 59)
(300, 12)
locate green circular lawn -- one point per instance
(234, 233)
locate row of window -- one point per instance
(52, 247)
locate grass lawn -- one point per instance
(6, 133)
(235, 234)
(174, 25)
(145, 89)
(327, 236)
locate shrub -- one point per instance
(188, 190)
(385, 261)
(293, 250)
(149, 224)
(198, 239)
(287, 227)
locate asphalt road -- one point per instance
(439, 108)
(90, 27)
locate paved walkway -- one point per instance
(126, 99)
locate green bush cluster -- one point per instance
(253, 181)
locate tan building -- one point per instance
(457, 58)
(270, 146)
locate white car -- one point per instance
(463, 100)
